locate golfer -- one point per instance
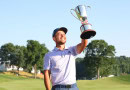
(59, 64)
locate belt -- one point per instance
(64, 86)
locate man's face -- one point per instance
(60, 37)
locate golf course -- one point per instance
(11, 82)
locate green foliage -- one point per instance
(100, 59)
(17, 58)
(6, 51)
(99, 56)
(116, 66)
(22, 56)
(100, 48)
(35, 54)
(122, 65)
(80, 69)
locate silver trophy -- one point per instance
(86, 28)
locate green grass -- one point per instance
(115, 83)
(9, 82)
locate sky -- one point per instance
(22, 20)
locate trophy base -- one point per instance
(87, 34)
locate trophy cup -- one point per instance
(86, 28)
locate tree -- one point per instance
(35, 54)
(6, 51)
(122, 65)
(18, 58)
(42, 51)
(98, 55)
(80, 69)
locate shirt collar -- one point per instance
(57, 49)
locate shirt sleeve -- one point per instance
(46, 62)
(73, 50)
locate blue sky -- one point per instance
(22, 20)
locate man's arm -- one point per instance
(47, 79)
(81, 46)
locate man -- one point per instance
(60, 63)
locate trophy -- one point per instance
(86, 28)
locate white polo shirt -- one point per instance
(61, 63)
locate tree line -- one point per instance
(26, 57)
(99, 60)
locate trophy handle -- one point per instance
(73, 14)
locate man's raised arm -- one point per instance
(81, 46)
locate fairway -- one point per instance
(8, 82)
(116, 83)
